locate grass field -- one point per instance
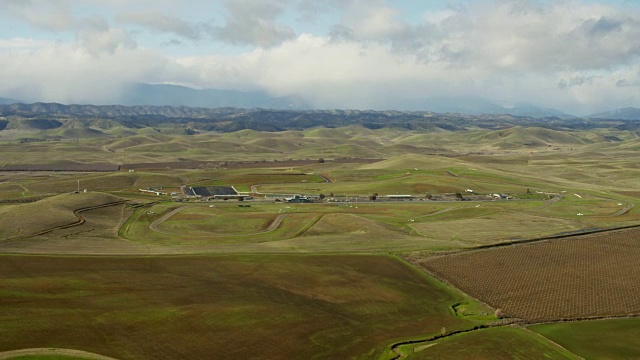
(493, 343)
(56, 211)
(597, 339)
(233, 306)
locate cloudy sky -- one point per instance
(579, 56)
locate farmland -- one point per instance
(608, 338)
(482, 223)
(495, 343)
(282, 306)
(579, 277)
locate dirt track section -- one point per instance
(154, 226)
(81, 220)
(51, 352)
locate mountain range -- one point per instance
(140, 94)
(92, 120)
(5, 101)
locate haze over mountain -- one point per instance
(628, 113)
(173, 95)
(5, 101)
(477, 106)
(140, 94)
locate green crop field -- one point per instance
(191, 307)
(493, 343)
(596, 339)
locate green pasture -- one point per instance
(366, 226)
(212, 221)
(390, 182)
(596, 339)
(226, 223)
(494, 343)
(285, 306)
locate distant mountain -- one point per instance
(525, 109)
(172, 95)
(476, 106)
(460, 105)
(77, 120)
(5, 101)
(628, 113)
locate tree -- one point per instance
(428, 196)
(321, 161)
(373, 197)
(459, 197)
(321, 196)
(499, 314)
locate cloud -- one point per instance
(578, 80)
(254, 22)
(53, 15)
(161, 23)
(563, 36)
(21, 44)
(573, 55)
(106, 41)
(371, 20)
(69, 73)
(93, 32)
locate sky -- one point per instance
(578, 56)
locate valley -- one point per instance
(429, 237)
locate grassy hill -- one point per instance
(25, 219)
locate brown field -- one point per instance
(225, 307)
(189, 164)
(62, 167)
(584, 276)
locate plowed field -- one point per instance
(584, 276)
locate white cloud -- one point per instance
(71, 74)
(575, 56)
(109, 40)
(21, 44)
(156, 21)
(53, 15)
(254, 22)
(372, 20)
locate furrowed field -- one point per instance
(586, 276)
